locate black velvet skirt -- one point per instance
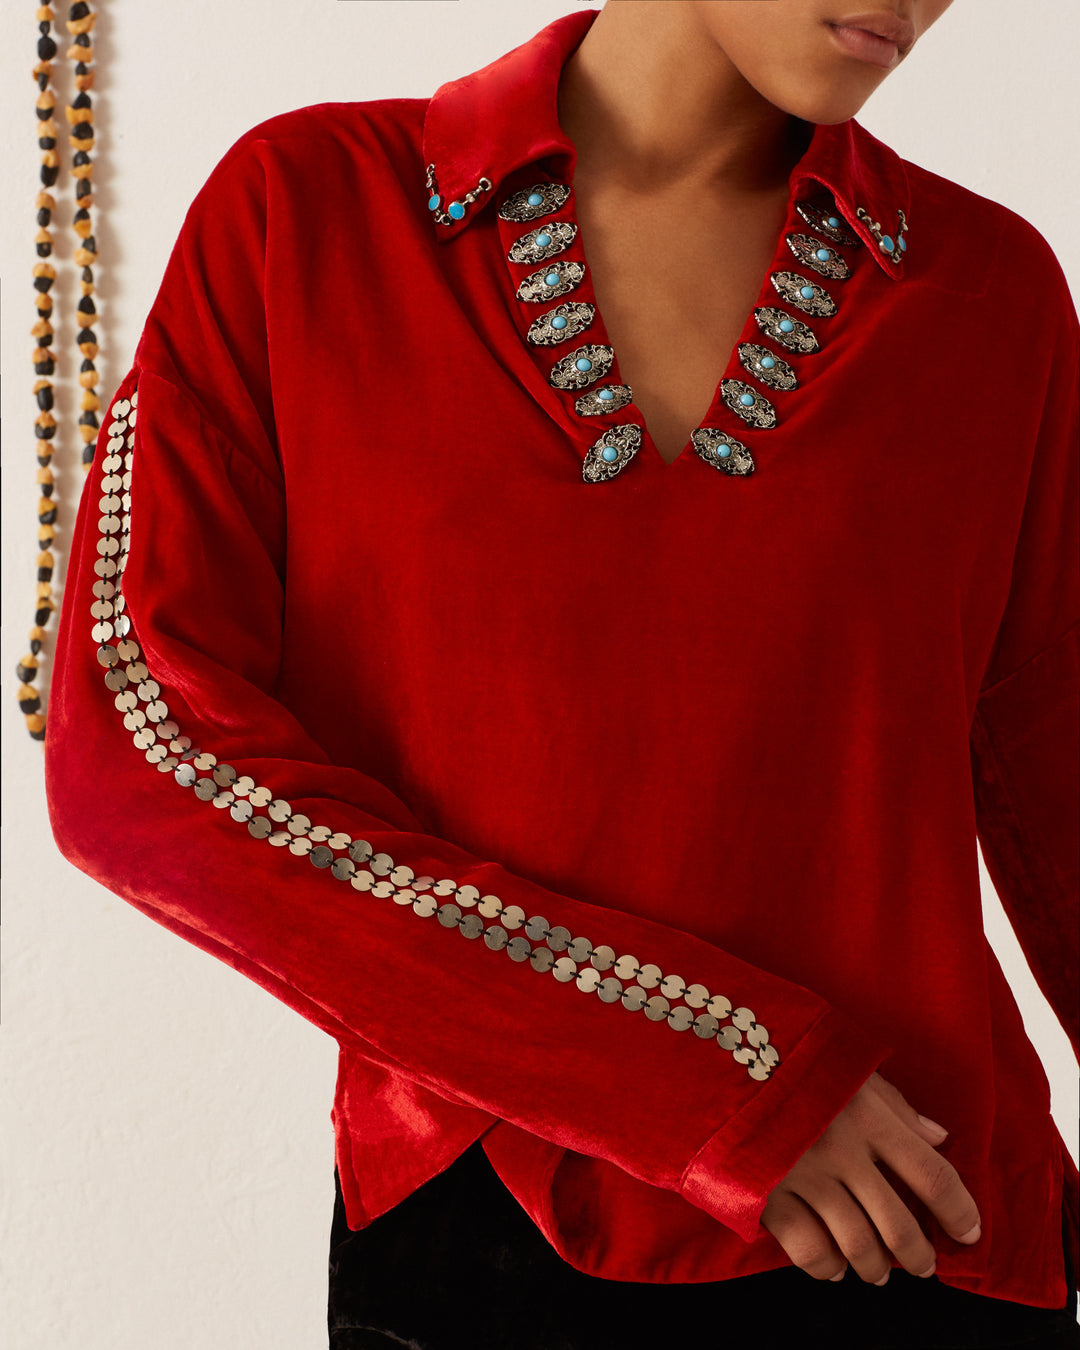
(460, 1264)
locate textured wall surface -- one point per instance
(166, 1176)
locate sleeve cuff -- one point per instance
(733, 1173)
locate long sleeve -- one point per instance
(1025, 736)
(178, 779)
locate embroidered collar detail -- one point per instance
(481, 127)
(494, 137)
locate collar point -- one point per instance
(446, 230)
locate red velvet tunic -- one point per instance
(692, 756)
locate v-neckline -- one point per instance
(717, 416)
(732, 366)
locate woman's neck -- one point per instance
(651, 102)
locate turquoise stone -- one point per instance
(807, 292)
(543, 240)
(559, 321)
(609, 453)
(768, 362)
(552, 278)
(823, 254)
(433, 202)
(583, 363)
(746, 400)
(606, 394)
(786, 326)
(903, 244)
(887, 243)
(535, 199)
(456, 210)
(723, 451)
(833, 222)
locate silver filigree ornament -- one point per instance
(542, 199)
(609, 399)
(766, 366)
(353, 860)
(817, 254)
(829, 223)
(722, 451)
(582, 367)
(566, 321)
(747, 403)
(611, 454)
(558, 234)
(790, 332)
(551, 281)
(804, 294)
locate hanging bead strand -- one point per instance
(80, 116)
(44, 366)
(81, 138)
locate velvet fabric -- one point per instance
(744, 728)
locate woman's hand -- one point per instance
(835, 1206)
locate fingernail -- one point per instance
(934, 1126)
(838, 1277)
(925, 1274)
(972, 1235)
(884, 1279)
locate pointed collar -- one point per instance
(482, 126)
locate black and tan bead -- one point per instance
(80, 118)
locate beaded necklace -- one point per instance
(80, 118)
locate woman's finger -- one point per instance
(894, 1223)
(803, 1236)
(847, 1225)
(883, 1117)
(932, 1178)
(930, 1130)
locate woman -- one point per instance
(724, 646)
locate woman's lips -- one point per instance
(865, 46)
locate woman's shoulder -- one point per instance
(323, 132)
(971, 230)
(316, 120)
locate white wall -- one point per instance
(167, 1167)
